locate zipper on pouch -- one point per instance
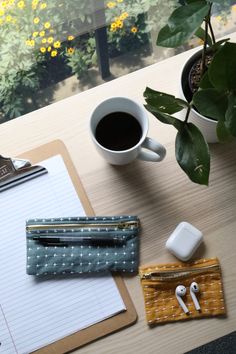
(123, 225)
(165, 275)
(60, 233)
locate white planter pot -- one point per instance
(206, 125)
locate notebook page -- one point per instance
(36, 312)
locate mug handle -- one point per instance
(157, 151)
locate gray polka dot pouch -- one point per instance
(78, 245)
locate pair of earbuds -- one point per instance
(180, 291)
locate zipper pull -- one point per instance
(128, 224)
(146, 276)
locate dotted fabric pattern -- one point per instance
(161, 304)
(79, 258)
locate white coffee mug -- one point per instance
(156, 151)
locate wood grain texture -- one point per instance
(159, 193)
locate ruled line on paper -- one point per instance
(41, 312)
(7, 344)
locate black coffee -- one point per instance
(118, 131)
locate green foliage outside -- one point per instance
(38, 34)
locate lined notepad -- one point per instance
(35, 312)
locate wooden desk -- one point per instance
(160, 193)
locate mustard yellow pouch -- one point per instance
(159, 282)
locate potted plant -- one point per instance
(208, 84)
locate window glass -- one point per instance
(52, 49)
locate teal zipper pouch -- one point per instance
(78, 245)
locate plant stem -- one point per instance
(207, 25)
(212, 33)
(188, 112)
(203, 62)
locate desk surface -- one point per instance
(160, 193)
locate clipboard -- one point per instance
(112, 324)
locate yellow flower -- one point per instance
(49, 49)
(30, 42)
(8, 18)
(113, 27)
(36, 20)
(119, 24)
(111, 4)
(70, 38)
(218, 18)
(124, 15)
(35, 34)
(44, 40)
(11, 2)
(43, 5)
(20, 4)
(119, 0)
(70, 50)
(54, 53)
(57, 44)
(50, 39)
(34, 4)
(42, 49)
(47, 25)
(42, 33)
(2, 12)
(234, 8)
(4, 4)
(134, 29)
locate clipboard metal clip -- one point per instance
(15, 171)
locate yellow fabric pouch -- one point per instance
(159, 282)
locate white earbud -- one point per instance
(194, 288)
(180, 291)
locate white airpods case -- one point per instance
(184, 241)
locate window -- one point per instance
(51, 49)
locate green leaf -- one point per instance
(220, 1)
(182, 24)
(222, 70)
(189, 17)
(230, 116)
(192, 153)
(222, 132)
(211, 103)
(200, 33)
(205, 82)
(163, 102)
(172, 39)
(218, 44)
(164, 118)
(94, 58)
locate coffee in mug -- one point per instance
(118, 131)
(119, 127)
